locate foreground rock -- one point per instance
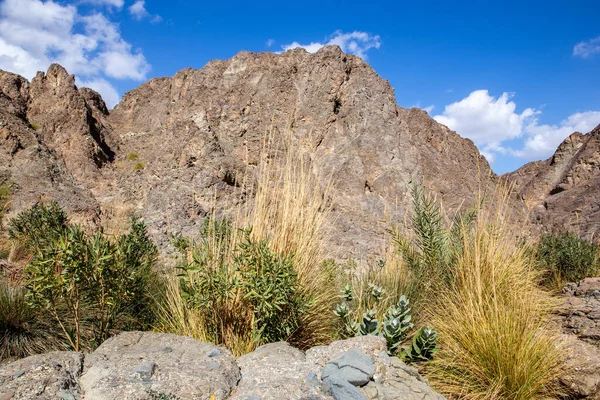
(138, 365)
(580, 320)
(150, 366)
(42, 377)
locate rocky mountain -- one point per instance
(171, 144)
(563, 192)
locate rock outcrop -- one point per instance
(170, 144)
(563, 191)
(150, 366)
(580, 320)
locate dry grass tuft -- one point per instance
(492, 320)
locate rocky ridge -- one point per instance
(171, 144)
(149, 366)
(563, 191)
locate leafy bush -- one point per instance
(132, 156)
(37, 227)
(139, 166)
(226, 273)
(85, 280)
(23, 330)
(567, 258)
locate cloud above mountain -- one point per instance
(357, 43)
(34, 34)
(493, 124)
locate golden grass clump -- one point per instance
(495, 340)
(289, 207)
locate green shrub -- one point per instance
(224, 275)
(567, 258)
(132, 156)
(139, 166)
(23, 330)
(37, 227)
(86, 280)
(35, 127)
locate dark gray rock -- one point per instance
(353, 366)
(341, 389)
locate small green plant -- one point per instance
(132, 156)
(139, 166)
(369, 324)
(394, 327)
(397, 324)
(423, 347)
(35, 127)
(567, 258)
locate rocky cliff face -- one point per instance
(564, 190)
(171, 143)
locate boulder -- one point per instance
(147, 365)
(48, 376)
(151, 366)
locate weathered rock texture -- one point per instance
(564, 190)
(580, 320)
(150, 366)
(172, 143)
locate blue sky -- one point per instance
(515, 77)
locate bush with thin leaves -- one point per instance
(566, 258)
(492, 319)
(85, 282)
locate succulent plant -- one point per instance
(423, 347)
(376, 291)
(346, 293)
(369, 324)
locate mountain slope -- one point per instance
(172, 143)
(564, 190)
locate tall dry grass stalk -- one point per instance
(493, 320)
(290, 201)
(291, 209)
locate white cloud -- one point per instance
(114, 3)
(138, 10)
(35, 33)
(485, 119)
(490, 122)
(270, 42)
(105, 88)
(588, 48)
(543, 140)
(357, 43)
